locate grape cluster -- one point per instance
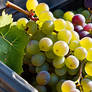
(59, 53)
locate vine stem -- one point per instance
(11, 5)
(30, 14)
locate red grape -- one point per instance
(78, 28)
(88, 27)
(78, 19)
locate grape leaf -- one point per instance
(12, 45)
(5, 19)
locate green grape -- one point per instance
(53, 37)
(31, 4)
(39, 35)
(86, 42)
(40, 8)
(59, 24)
(85, 13)
(21, 23)
(47, 27)
(80, 53)
(38, 59)
(43, 67)
(87, 85)
(43, 78)
(41, 88)
(89, 55)
(60, 48)
(31, 27)
(72, 72)
(58, 62)
(74, 44)
(68, 15)
(58, 86)
(45, 16)
(33, 47)
(75, 36)
(69, 26)
(64, 35)
(88, 68)
(45, 44)
(50, 54)
(61, 71)
(53, 79)
(68, 85)
(58, 13)
(75, 90)
(72, 62)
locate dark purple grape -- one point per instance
(83, 34)
(43, 78)
(78, 28)
(88, 3)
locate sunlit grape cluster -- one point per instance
(59, 53)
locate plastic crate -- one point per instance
(12, 82)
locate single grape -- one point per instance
(38, 59)
(61, 71)
(59, 24)
(31, 27)
(83, 34)
(67, 86)
(78, 28)
(47, 27)
(31, 4)
(88, 27)
(88, 68)
(33, 47)
(75, 36)
(41, 88)
(86, 42)
(21, 23)
(53, 37)
(74, 44)
(40, 8)
(60, 48)
(72, 72)
(69, 26)
(58, 62)
(53, 79)
(85, 13)
(68, 15)
(80, 53)
(45, 44)
(50, 54)
(87, 85)
(64, 35)
(43, 78)
(58, 13)
(78, 19)
(75, 90)
(72, 62)
(39, 35)
(43, 67)
(46, 16)
(89, 55)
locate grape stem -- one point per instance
(30, 14)
(80, 76)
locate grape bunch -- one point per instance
(59, 52)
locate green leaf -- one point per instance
(5, 19)
(12, 44)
